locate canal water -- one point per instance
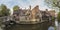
(40, 26)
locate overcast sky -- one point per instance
(24, 3)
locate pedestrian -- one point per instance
(51, 28)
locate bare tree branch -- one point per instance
(56, 4)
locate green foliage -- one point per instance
(53, 19)
(3, 7)
(55, 27)
(50, 2)
(16, 8)
(0, 14)
(4, 11)
(58, 17)
(53, 3)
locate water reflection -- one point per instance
(40, 26)
(1, 28)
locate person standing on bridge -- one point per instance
(51, 28)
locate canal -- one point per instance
(40, 26)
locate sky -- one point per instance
(24, 3)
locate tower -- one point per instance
(30, 7)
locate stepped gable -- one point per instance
(34, 11)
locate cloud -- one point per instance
(23, 3)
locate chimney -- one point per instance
(30, 7)
(46, 9)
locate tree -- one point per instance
(53, 3)
(58, 17)
(16, 7)
(4, 10)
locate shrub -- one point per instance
(58, 17)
